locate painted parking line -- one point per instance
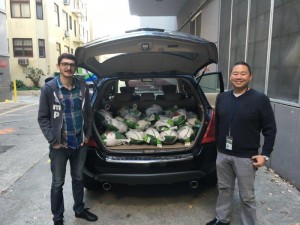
(14, 110)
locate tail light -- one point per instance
(209, 135)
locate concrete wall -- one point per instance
(285, 159)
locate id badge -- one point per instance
(229, 141)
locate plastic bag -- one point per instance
(152, 137)
(135, 136)
(168, 137)
(142, 125)
(179, 117)
(116, 125)
(154, 109)
(164, 124)
(113, 138)
(186, 135)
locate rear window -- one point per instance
(146, 85)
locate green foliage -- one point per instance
(19, 84)
(34, 74)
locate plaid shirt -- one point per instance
(71, 103)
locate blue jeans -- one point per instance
(59, 158)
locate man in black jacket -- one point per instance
(242, 114)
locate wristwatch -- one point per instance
(266, 157)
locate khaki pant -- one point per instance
(230, 168)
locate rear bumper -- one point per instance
(181, 169)
(157, 178)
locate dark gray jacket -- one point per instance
(50, 111)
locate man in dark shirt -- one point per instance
(242, 114)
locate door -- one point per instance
(211, 84)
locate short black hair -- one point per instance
(66, 56)
(244, 64)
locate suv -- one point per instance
(153, 109)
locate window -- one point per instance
(42, 52)
(22, 47)
(56, 12)
(70, 22)
(20, 8)
(39, 9)
(195, 25)
(75, 28)
(66, 49)
(284, 76)
(58, 49)
(65, 20)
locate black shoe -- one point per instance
(59, 222)
(217, 222)
(85, 214)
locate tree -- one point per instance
(34, 74)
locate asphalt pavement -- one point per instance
(25, 179)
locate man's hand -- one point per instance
(258, 161)
(57, 146)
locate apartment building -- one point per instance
(5, 92)
(40, 30)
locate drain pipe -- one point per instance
(106, 186)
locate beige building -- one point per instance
(40, 30)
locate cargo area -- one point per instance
(148, 115)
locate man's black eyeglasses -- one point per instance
(65, 65)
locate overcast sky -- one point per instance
(111, 17)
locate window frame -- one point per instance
(39, 8)
(23, 47)
(42, 49)
(21, 9)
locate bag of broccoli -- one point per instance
(113, 138)
(186, 135)
(168, 137)
(135, 136)
(152, 137)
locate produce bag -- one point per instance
(142, 125)
(179, 117)
(154, 109)
(116, 125)
(101, 115)
(152, 137)
(164, 124)
(186, 135)
(135, 136)
(131, 120)
(113, 138)
(168, 137)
